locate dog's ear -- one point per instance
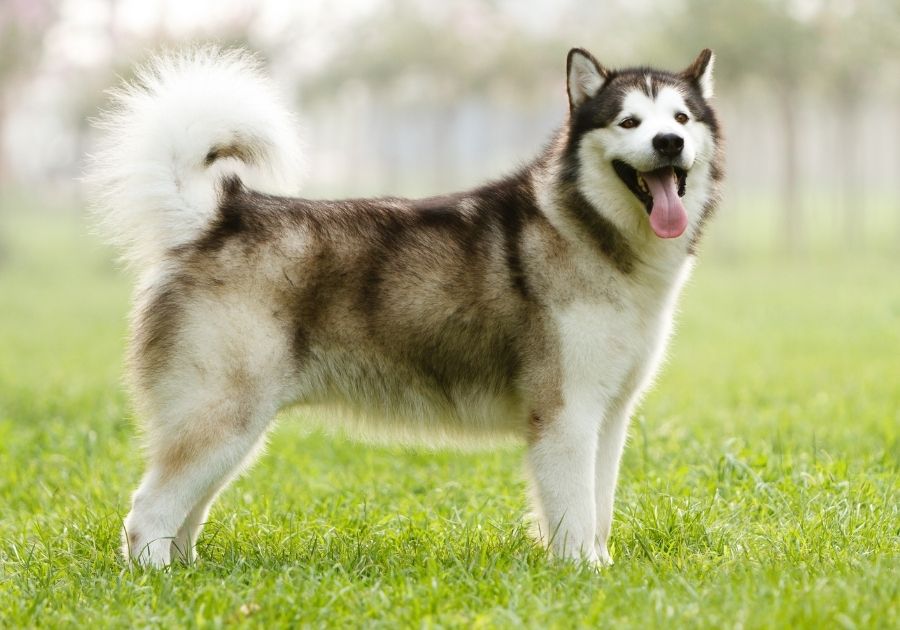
(585, 76)
(700, 73)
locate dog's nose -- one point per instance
(668, 144)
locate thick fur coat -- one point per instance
(537, 306)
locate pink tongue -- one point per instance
(667, 217)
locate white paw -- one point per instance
(577, 553)
(155, 553)
(603, 557)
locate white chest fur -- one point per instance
(612, 347)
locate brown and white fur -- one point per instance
(535, 306)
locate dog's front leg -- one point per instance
(610, 445)
(561, 458)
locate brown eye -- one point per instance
(629, 123)
(681, 118)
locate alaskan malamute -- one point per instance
(537, 305)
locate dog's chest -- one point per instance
(614, 341)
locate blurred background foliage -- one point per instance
(414, 97)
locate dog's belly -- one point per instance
(377, 396)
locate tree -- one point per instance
(856, 39)
(22, 27)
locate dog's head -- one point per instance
(649, 136)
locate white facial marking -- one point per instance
(635, 146)
(657, 116)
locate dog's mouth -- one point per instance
(660, 192)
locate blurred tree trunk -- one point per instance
(851, 199)
(2, 138)
(790, 182)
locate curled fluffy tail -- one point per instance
(173, 134)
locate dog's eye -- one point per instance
(681, 118)
(629, 123)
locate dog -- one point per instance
(537, 306)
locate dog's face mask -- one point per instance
(646, 129)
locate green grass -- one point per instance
(759, 489)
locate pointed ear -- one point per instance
(585, 76)
(700, 73)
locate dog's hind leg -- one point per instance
(209, 372)
(197, 442)
(185, 541)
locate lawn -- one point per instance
(760, 487)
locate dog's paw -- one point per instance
(603, 557)
(155, 553)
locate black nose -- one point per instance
(668, 144)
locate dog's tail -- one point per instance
(173, 135)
